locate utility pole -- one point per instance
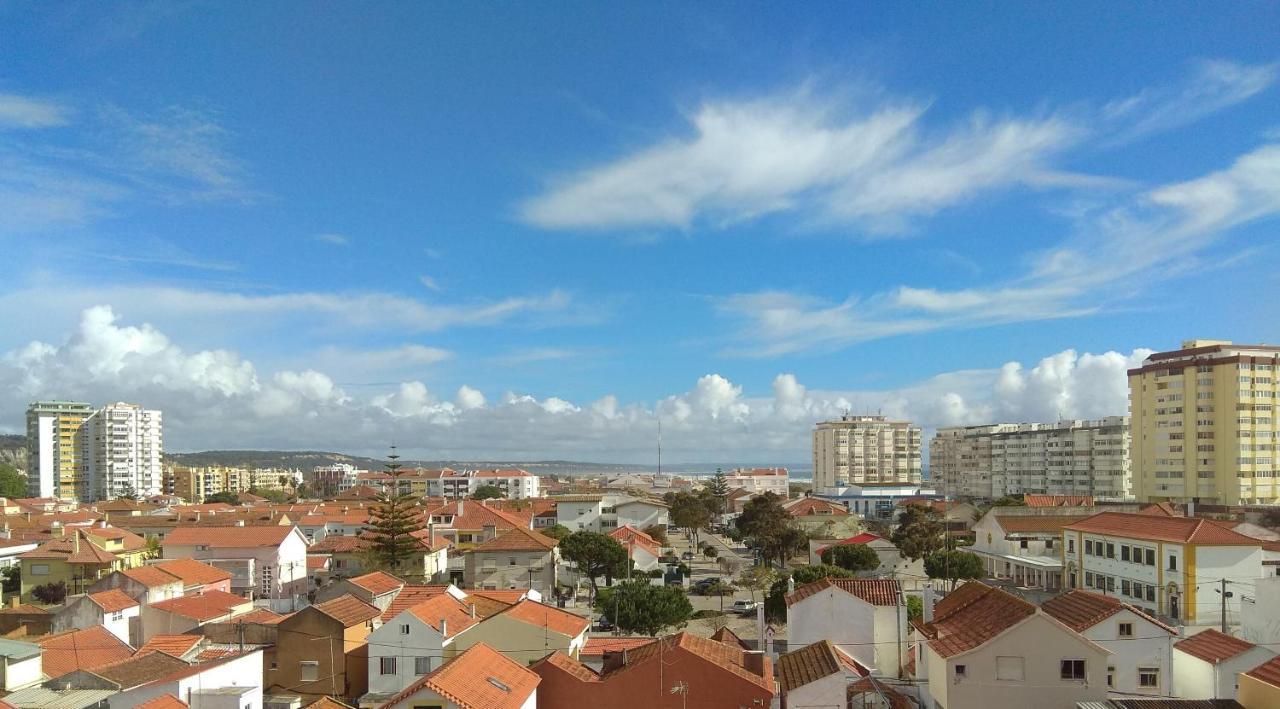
(1224, 606)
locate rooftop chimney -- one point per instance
(754, 661)
(460, 508)
(614, 660)
(473, 610)
(444, 628)
(927, 602)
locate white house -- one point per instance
(222, 683)
(113, 609)
(145, 584)
(267, 561)
(1162, 563)
(760, 480)
(865, 617)
(413, 644)
(1205, 665)
(1141, 646)
(1260, 612)
(20, 664)
(527, 631)
(604, 513)
(480, 678)
(643, 549)
(1023, 548)
(986, 648)
(817, 675)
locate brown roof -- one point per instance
(175, 645)
(444, 608)
(1080, 609)
(518, 539)
(973, 614)
(151, 576)
(549, 617)
(192, 572)
(72, 550)
(729, 637)
(339, 544)
(871, 685)
(628, 534)
(572, 667)
(1268, 672)
(261, 616)
(1213, 646)
(877, 592)
(82, 650)
(508, 596)
(598, 646)
(813, 662)
(164, 701)
(410, 596)
(378, 582)
(229, 537)
(202, 606)
(812, 506)
(1159, 509)
(348, 610)
(112, 601)
(480, 678)
(1058, 500)
(729, 658)
(327, 703)
(1037, 523)
(1186, 530)
(141, 669)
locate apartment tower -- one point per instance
(123, 447)
(859, 450)
(55, 465)
(1204, 424)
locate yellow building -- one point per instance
(1203, 423)
(79, 557)
(1259, 688)
(57, 464)
(194, 484)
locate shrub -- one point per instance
(50, 593)
(710, 552)
(697, 615)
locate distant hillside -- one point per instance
(13, 450)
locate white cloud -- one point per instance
(429, 283)
(332, 238)
(1212, 86)
(216, 399)
(26, 112)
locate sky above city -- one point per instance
(532, 231)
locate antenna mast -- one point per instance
(659, 445)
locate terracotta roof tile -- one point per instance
(229, 537)
(813, 662)
(570, 666)
(410, 596)
(1184, 530)
(480, 678)
(1268, 672)
(202, 606)
(71, 550)
(112, 601)
(1058, 500)
(378, 582)
(812, 506)
(549, 617)
(873, 686)
(476, 516)
(1159, 509)
(729, 658)
(141, 669)
(192, 572)
(729, 637)
(317, 562)
(518, 539)
(447, 608)
(340, 544)
(261, 616)
(175, 645)
(1080, 610)
(877, 592)
(82, 650)
(164, 701)
(1213, 646)
(327, 703)
(973, 614)
(348, 610)
(151, 576)
(1031, 524)
(486, 607)
(598, 646)
(508, 596)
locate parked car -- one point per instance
(702, 584)
(744, 607)
(687, 556)
(603, 624)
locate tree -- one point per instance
(276, 496)
(487, 492)
(658, 533)
(919, 532)
(1010, 501)
(953, 564)
(641, 608)
(153, 549)
(594, 554)
(915, 608)
(757, 578)
(718, 492)
(12, 576)
(775, 604)
(769, 529)
(393, 519)
(851, 557)
(690, 513)
(226, 497)
(52, 594)
(128, 492)
(12, 483)
(556, 531)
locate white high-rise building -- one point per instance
(859, 450)
(123, 449)
(54, 448)
(1066, 458)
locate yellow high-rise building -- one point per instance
(56, 464)
(1204, 424)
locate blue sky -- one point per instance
(302, 225)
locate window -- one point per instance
(1111, 676)
(404, 629)
(39, 569)
(960, 671)
(1073, 669)
(1126, 630)
(1071, 546)
(1173, 563)
(1111, 550)
(1124, 588)
(511, 561)
(1149, 677)
(1124, 552)
(1088, 579)
(1151, 557)
(309, 671)
(1088, 547)
(1023, 544)
(1009, 669)
(421, 665)
(118, 615)
(1151, 594)
(387, 665)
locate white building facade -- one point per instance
(758, 481)
(865, 449)
(123, 446)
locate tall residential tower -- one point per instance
(55, 463)
(855, 450)
(123, 446)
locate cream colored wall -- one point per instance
(1256, 694)
(519, 641)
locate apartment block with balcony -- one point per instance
(865, 449)
(1204, 423)
(1074, 457)
(123, 445)
(55, 465)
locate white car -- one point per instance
(744, 607)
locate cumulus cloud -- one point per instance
(216, 399)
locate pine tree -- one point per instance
(392, 521)
(718, 488)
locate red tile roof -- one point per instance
(152, 576)
(175, 645)
(410, 596)
(86, 649)
(327, 703)
(476, 516)
(75, 549)
(812, 663)
(549, 617)
(570, 666)
(202, 606)
(877, 688)
(598, 646)
(1159, 509)
(455, 613)
(1058, 500)
(877, 592)
(1080, 610)
(725, 656)
(340, 544)
(140, 669)
(1185, 530)
(316, 562)
(812, 506)
(164, 701)
(112, 601)
(480, 678)
(348, 610)
(261, 616)
(972, 615)
(378, 582)
(229, 537)
(518, 539)
(1213, 646)
(506, 596)
(1013, 524)
(628, 534)
(1268, 672)
(192, 572)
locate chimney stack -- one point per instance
(444, 628)
(460, 512)
(753, 661)
(614, 660)
(927, 602)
